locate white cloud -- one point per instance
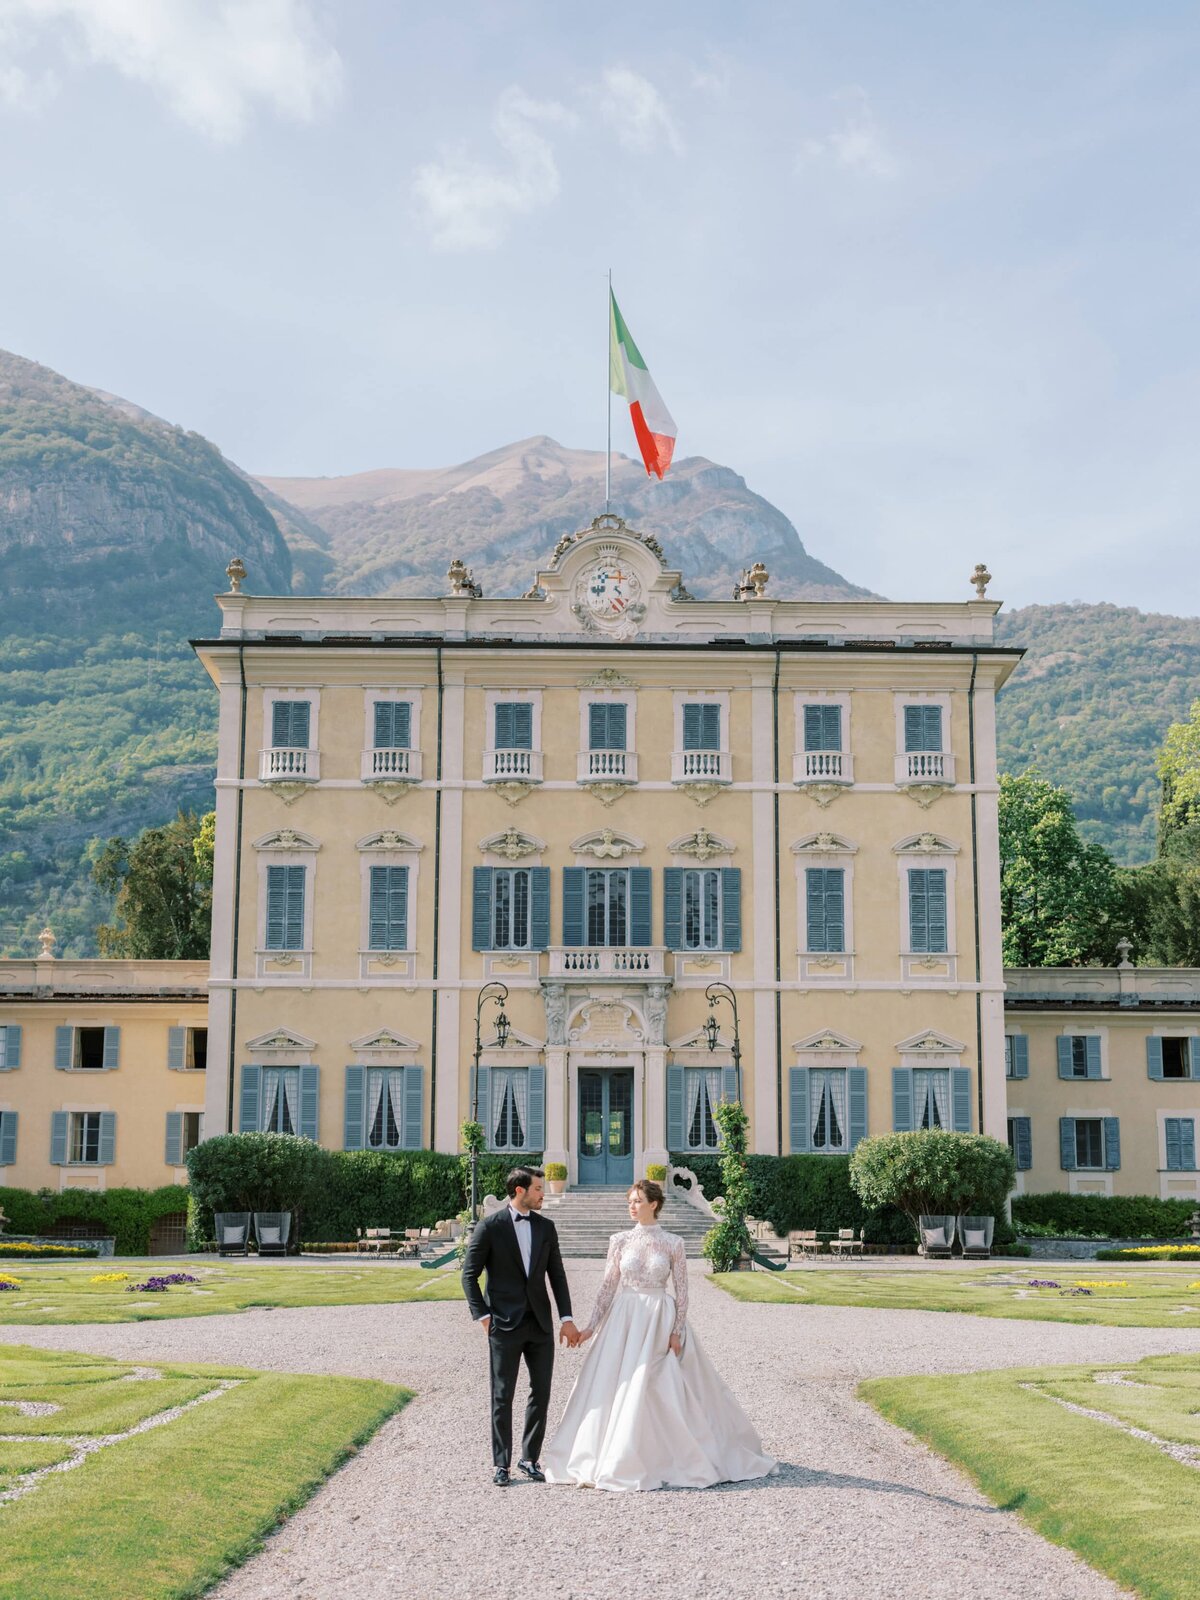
(634, 107)
(209, 61)
(857, 144)
(468, 204)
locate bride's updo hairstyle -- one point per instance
(649, 1190)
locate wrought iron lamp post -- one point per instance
(497, 993)
(714, 994)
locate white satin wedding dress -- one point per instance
(640, 1417)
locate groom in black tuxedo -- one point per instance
(518, 1249)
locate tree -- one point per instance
(1060, 902)
(1179, 772)
(163, 887)
(933, 1173)
(1162, 901)
(728, 1241)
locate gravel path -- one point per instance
(859, 1508)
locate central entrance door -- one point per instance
(605, 1126)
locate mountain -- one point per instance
(394, 531)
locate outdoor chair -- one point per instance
(847, 1244)
(803, 1242)
(937, 1236)
(272, 1230)
(976, 1235)
(233, 1232)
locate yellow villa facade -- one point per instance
(605, 796)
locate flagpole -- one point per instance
(608, 450)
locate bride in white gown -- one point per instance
(648, 1410)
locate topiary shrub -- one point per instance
(933, 1172)
(258, 1172)
(727, 1242)
(383, 1189)
(1103, 1216)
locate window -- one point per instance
(514, 725)
(285, 908)
(825, 906)
(701, 726)
(10, 1047)
(393, 724)
(187, 1049)
(185, 1129)
(607, 906)
(89, 1050)
(1016, 1055)
(1176, 1058)
(384, 1109)
(1079, 1056)
(8, 1137)
(1020, 1142)
(927, 908)
(922, 728)
(508, 1125)
(829, 1129)
(607, 725)
(290, 724)
(931, 1098)
(1089, 1142)
(1093, 1143)
(280, 1100)
(822, 727)
(388, 911)
(702, 1095)
(280, 1106)
(511, 908)
(702, 909)
(827, 1109)
(84, 1138)
(1181, 1143)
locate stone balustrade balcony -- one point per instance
(512, 766)
(621, 963)
(289, 765)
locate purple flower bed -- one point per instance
(4, 1284)
(1042, 1283)
(161, 1284)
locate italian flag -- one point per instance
(627, 375)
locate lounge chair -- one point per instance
(272, 1230)
(937, 1237)
(976, 1235)
(233, 1232)
(847, 1244)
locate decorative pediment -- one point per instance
(512, 845)
(606, 844)
(701, 845)
(931, 1043)
(285, 1039)
(287, 839)
(389, 839)
(926, 844)
(828, 1041)
(697, 1039)
(517, 1043)
(607, 678)
(824, 844)
(383, 1039)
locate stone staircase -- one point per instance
(585, 1218)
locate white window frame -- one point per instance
(825, 966)
(1183, 1112)
(491, 699)
(313, 697)
(922, 966)
(81, 1161)
(923, 697)
(702, 949)
(1093, 1032)
(1013, 1033)
(392, 696)
(1192, 1035)
(607, 697)
(387, 848)
(822, 697)
(511, 1068)
(286, 963)
(701, 697)
(388, 1070)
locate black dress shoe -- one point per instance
(502, 1478)
(531, 1470)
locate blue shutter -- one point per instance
(1063, 1046)
(176, 1049)
(701, 726)
(574, 920)
(640, 911)
(479, 1106)
(692, 728)
(108, 1138)
(1171, 1127)
(798, 1126)
(249, 1115)
(281, 724)
(1154, 1056)
(606, 726)
(731, 908)
(294, 916)
(1187, 1143)
(1023, 1143)
(309, 1101)
(922, 728)
(58, 1139)
(12, 1047)
(414, 1108)
(174, 1150)
(617, 727)
(504, 725)
(377, 911)
(960, 1098)
(675, 1132)
(1112, 1144)
(902, 1099)
(1020, 1055)
(64, 1048)
(857, 1080)
(393, 724)
(535, 1133)
(822, 727)
(112, 1049)
(1189, 1055)
(481, 908)
(918, 909)
(514, 725)
(1066, 1143)
(728, 1083)
(352, 1130)
(8, 1138)
(289, 724)
(673, 907)
(814, 903)
(276, 901)
(936, 901)
(1093, 1058)
(539, 908)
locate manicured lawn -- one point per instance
(60, 1292)
(163, 1513)
(1147, 1297)
(1120, 1502)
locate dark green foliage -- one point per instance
(803, 1191)
(1105, 1216)
(727, 1242)
(124, 1215)
(258, 1172)
(930, 1172)
(163, 887)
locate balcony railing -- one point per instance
(284, 765)
(925, 766)
(700, 766)
(622, 961)
(823, 766)
(607, 766)
(391, 766)
(512, 766)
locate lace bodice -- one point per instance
(645, 1259)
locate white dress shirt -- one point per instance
(523, 1227)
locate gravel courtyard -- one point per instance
(858, 1509)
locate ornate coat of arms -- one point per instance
(608, 596)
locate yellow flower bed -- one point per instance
(6, 1277)
(109, 1277)
(1153, 1249)
(1101, 1283)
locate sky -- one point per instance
(925, 274)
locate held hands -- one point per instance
(675, 1343)
(570, 1335)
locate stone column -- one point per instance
(558, 1137)
(655, 1126)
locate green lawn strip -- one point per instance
(23, 1455)
(1155, 1297)
(165, 1513)
(1121, 1503)
(98, 1408)
(57, 1294)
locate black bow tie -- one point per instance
(517, 1217)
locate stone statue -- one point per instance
(554, 998)
(656, 1013)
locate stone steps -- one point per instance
(585, 1219)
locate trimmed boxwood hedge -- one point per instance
(124, 1215)
(1105, 1216)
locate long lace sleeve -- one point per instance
(612, 1280)
(680, 1278)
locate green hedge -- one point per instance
(1105, 1216)
(124, 1215)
